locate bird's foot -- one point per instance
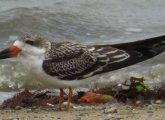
(69, 99)
(68, 103)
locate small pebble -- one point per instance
(51, 105)
(64, 104)
(138, 102)
(110, 110)
(158, 102)
(109, 115)
(18, 107)
(150, 107)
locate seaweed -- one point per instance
(124, 92)
(26, 99)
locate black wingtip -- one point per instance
(138, 51)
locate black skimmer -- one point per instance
(66, 64)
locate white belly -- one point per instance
(34, 65)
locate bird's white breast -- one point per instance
(34, 66)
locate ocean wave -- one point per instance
(86, 22)
(56, 25)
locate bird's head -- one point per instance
(27, 45)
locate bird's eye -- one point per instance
(29, 42)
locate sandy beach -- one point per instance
(100, 112)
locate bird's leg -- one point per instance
(60, 99)
(69, 99)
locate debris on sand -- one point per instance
(94, 98)
(26, 99)
(122, 92)
(136, 92)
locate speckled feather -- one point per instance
(69, 61)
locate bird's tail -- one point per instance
(131, 53)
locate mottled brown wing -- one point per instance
(70, 61)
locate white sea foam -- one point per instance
(83, 21)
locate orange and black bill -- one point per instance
(10, 52)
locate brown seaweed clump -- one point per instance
(26, 99)
(137, 90)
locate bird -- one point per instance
(68, 65)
